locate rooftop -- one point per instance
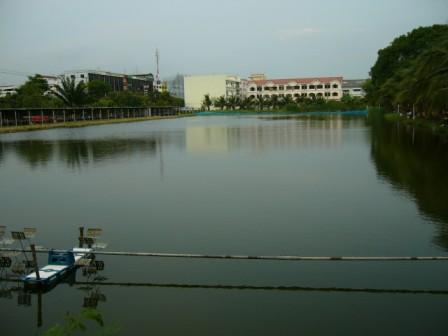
(285, 81)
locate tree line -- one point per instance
(411, 74)
(35, 92)
(282, 103)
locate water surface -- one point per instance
(237, 185)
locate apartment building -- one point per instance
(196, 87)
(318, 87)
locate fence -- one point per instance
(29, 116)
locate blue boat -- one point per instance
(60, 264)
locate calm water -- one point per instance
(236, 185)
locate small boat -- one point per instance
(60, 264)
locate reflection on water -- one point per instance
(280, 135)
(417, 163)
(237, 185)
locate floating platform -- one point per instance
(60, 264)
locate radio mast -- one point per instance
(157, 69)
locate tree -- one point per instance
(274, 101)
(261, 102)
(233, 102)
(71, 93)
(207, 102)
(247, 103)
(98, 89)
(286, 100)
(407, 72)
(220, 102)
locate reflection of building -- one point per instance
(353, 87)
(196, 87)
(315, 87)
(118, 82)
(263, 136)
(207, 139)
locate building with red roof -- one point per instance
(310, 87)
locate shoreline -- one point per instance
(84, 123)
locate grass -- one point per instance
(84, 123)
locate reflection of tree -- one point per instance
(417, 163)
(74, 153)
(34, 152)
(77, 153)
(79, 323)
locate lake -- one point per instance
(239, 184)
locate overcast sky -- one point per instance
(281, 38)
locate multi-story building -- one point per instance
(196, 87)
(6, 90)
(324, 87)
(353, 87)
(118, 82)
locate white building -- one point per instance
(6, 90)
(353, 87)
(325, 87)
(196, 87)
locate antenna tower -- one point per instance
(157, 65)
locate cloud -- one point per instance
(293, 33)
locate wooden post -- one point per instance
(36, 268)
(41, 116)
(54, 119)
(64, 115)
(91, 113)
(29, 117)
(81, 236)
(15, 116)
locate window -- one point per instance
(289, 87)
(303, 94)
(319, 94)
(327, 86)
(281, 87)
(319, 86)
(252, 89)
(274, 88)
(334, 94)
(258, 88)
(297, 87)
(297, 95)
(335, 86)
(311, 87)
(303, 87)
(266, 88)
(82, 76)
(327, 94)
(357, 90)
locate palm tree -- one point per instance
(246, 102)
(207, 102)
(70, 93)
(274, 102)
(287, 100)
(261, 102)
(220, 102)
(233, 102)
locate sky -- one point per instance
(281, 38)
